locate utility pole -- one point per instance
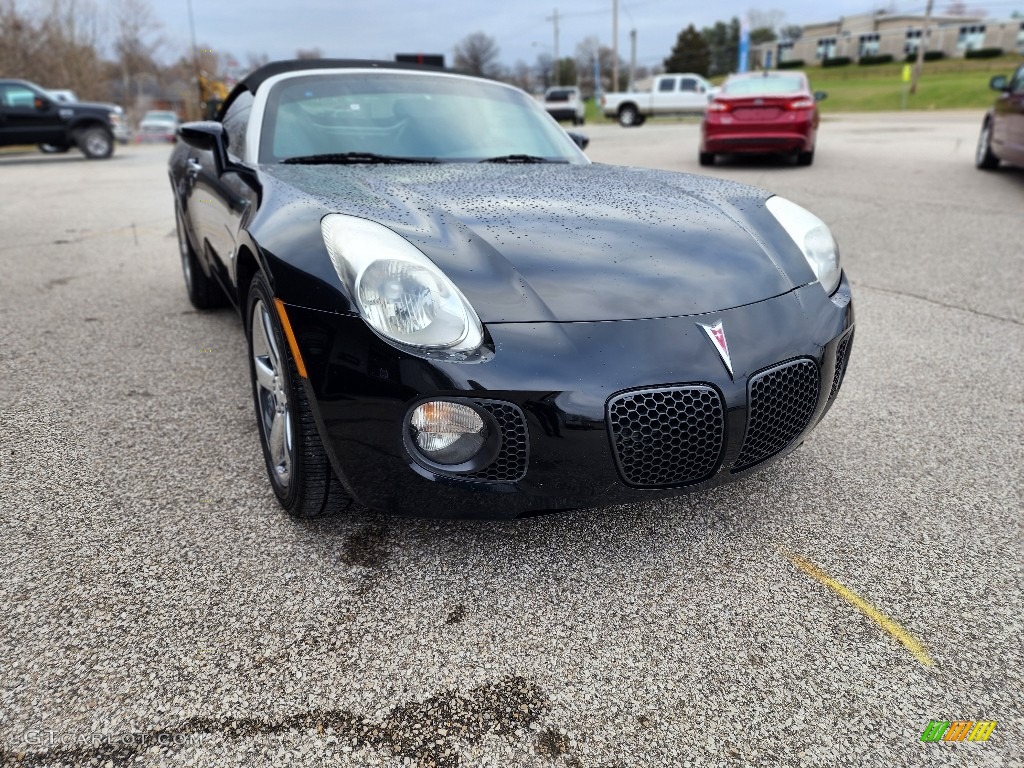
(556, 70)
(615, 45)
(920, 48)
(632, 60)
(195, 58)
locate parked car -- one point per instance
(158, 125)
(1002, 130)
(451, 311)
(565, 103)
(29, 115)
(675, 94)
(762, 113)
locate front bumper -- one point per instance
(560, 377)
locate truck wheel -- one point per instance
(53, 149)
(629, 117)
(96, 143)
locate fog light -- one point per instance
(447, 433)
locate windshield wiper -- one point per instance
(521, 159)
(352, 158)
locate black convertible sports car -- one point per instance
(451, 311)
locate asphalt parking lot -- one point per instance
(160, 609)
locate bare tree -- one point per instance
(309, 53)
(477, 54)
(255, 61)
(136, 41)
(587, 51)
(55, 47)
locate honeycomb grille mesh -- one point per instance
(842, 355)
(781, 403)
(514, 454)
(667, 436)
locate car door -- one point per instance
(1011, 114)
(218, 203)
(691, 94)
(28, 116)
(666, 97)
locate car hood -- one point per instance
(528, 243)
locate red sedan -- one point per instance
(762, 113)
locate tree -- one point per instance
(136, 41)
(690, 53)
(309, 53)
(586, 52)
(521, 76)
(566, 71)
(762, 35)
(791, 32)
(477, 54)
(723, 41)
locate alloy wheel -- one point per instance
(272, 396)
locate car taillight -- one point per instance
(801, 104)
(718, 106)
(602, 99)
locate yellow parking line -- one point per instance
(910, 642)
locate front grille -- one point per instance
(842, 356)
(781, 401)
(514, 454)
(667, 437)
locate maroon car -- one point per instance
(1002, 130)
(762, 113)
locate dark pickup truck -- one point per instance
(29, 115)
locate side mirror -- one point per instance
(820, 95)
(998, 83)
(207, 136)
(579, 139)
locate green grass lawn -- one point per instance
(953, 84)
(946, 84)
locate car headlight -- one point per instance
(399, 292)
(812, 237)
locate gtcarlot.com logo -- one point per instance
(958, 730)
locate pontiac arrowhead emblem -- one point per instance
(717, 335)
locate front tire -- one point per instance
(297, 464)
(96, 143)
(706, 158)
(805, 158)
(203, 292)
(983, 157)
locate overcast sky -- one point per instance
(381, 28)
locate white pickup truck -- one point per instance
(674, 94)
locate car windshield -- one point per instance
(781, 85)
(559, 96)
(403, 115)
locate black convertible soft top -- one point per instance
(257, 77)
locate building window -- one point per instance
(826, 48)
(912, 41)
(971, 38)
(785, 51)
(868, 45)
